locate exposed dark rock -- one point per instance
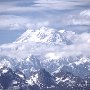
(11, 80)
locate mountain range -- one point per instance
(46, 59)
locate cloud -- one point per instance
(80, 18)
(13, 22)
(20, 14)
(39, 5)
(80, 47)
(56, 4)
(37, 24)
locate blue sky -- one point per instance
(16, 16)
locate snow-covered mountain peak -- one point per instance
(39, 35)
(46, 35)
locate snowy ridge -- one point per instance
(47, 35)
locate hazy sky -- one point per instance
(16, 16)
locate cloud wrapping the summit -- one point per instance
(25, 47)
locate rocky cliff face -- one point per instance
(41, 80)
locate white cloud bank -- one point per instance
(13, 22)
(10, 18)
(82, 18)
(40, 5)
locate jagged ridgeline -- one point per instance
(46, 59)
(41, 80)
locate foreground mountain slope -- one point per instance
(41, 80)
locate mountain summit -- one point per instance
(47, 35)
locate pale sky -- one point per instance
(16, 16)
